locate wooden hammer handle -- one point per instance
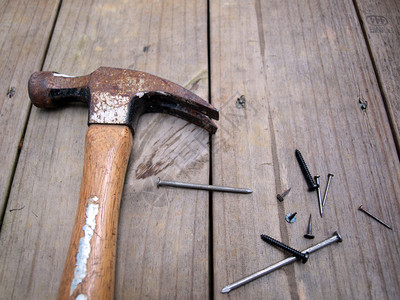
(90, 264)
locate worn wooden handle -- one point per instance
(90, 264)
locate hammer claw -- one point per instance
(177, 106)
(194, 117)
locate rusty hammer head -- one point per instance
(119, 96)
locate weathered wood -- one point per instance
(163, 233)
(381, 22)
(301, 66)
(25, 28)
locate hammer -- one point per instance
(116, 99)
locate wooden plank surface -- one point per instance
(25, 28)
(381, 22)
(301, 66)
(163, 233)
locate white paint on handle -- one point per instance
(84, 245)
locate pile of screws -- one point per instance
(291, 218)
(313, 185)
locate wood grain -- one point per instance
(90, 265)
(163, 233)
(25, 29)
(381, 23)
(301, 66)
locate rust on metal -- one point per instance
(120, 96)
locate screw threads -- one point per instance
(307, 175)
(294, 252)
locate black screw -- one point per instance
(291, 218)
(310, 181)
(309, 234)
(294, 252)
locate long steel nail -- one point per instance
(327, 188)
(294, 252)
(319, 195)
(335, 238)
(309, 234)
(373, 217)
(203, 187)
(303, 166)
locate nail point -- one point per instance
(225, 290)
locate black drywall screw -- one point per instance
(294, 252)
(309, 234)
(310, 181)
(291, 218)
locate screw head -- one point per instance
(291, 218)
(306, 256)
(313, 187)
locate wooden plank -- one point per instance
(25, 28)
(301, 66)
(381, 22)
(163, 233)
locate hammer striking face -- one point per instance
(116, 99)
(119, 96)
